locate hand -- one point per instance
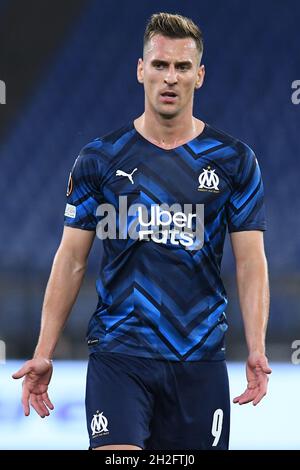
(257, 370)
(37, 373)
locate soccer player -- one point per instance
(160, 193)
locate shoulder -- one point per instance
(107, 145)
(234, 154)
(97, 154)
(239, 147)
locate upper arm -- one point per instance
(76, 244)
(245, 208)
(85, 194)
(247, 245)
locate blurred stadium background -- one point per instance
(70, 74)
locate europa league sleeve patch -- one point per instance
(70, 185)
(70, 211)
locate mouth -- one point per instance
(168, 96)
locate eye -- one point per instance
(183, 67)
(159, 66)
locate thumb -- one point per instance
(265, 366)
(21, 372)
(266, 369)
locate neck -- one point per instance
(168, 132)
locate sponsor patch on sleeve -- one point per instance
(70, 211)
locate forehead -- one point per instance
(164, 48)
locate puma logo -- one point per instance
(123, 173)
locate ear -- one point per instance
(200, 77)
(140, 71)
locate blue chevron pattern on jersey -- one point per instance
(159, 299)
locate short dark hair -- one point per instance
(173, 26)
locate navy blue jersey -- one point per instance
(162, 217)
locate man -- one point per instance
(160, 193)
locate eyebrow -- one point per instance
(164, 62)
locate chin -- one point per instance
(167, 116)
(168, 113)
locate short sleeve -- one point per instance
(84, 193)
(245, 208)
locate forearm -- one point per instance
(62, 289)
(253, 289)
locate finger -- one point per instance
(263, 386)
(25, 401)
(236, 399)
(259, 398)
(47, 401)
(245, 393)
(43, 407)
(36, 406)
(240, 397)
(21, 372)
(246, 397)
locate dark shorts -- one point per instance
(156, 404)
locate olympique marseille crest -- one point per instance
(99, 425)
(208, 180)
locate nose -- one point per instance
(171, 76)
